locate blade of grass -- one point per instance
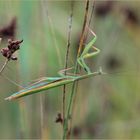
(24, 22)
(51, 27)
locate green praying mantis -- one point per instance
(51, 82)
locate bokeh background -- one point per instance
(106, 106)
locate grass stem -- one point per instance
(67, 56)
(4, 65)
(67, 131)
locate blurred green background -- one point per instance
(106, 106)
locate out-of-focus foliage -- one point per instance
(105, 106)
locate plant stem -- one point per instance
(74, 99)
(66, 131)
(4, 65)
(67, 56)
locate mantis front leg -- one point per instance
(86, 54)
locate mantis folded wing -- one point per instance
(51, 82)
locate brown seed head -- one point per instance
(12, 47)
(59, 118)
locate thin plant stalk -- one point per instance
(66, 131)
(4, 66)
(74, 100)
(46, 13)
(5, 63)
(67, 57)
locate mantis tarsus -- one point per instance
(51, 82)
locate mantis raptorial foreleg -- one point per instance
(86, 54)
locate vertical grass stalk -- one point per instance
(67, 56)
(68, 116)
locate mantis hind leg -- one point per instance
(63, 73)
(85, 54)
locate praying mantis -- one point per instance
(52, 82)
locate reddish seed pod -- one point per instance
(4, 51)
(12, 47)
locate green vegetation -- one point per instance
(105, 106)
